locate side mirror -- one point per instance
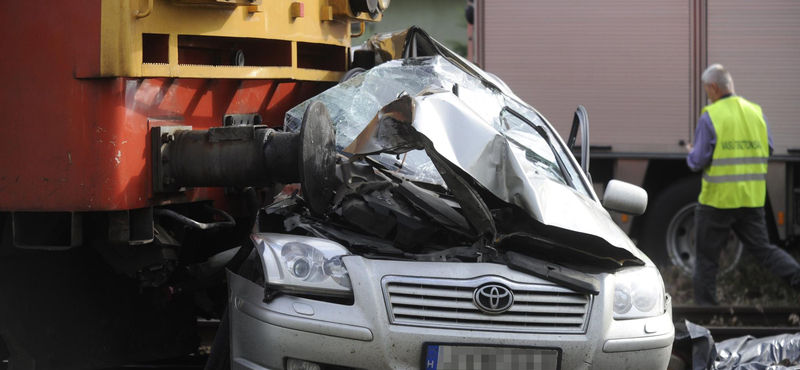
(625, 198)
(580, 121)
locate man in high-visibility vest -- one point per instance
(732, 146)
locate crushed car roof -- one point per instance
(428, 120)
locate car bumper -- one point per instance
(360, 336)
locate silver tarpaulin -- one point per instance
(780, 352)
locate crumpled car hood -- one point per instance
(465, 140)
(468, 131)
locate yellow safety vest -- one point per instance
(737, 176)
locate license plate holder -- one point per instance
(437, 356)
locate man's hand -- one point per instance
(689, 147)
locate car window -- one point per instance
(530, 148)
(569, 166)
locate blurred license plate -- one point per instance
(447, 357)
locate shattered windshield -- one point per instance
(353, 104)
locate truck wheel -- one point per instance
(668, 232)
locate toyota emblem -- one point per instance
(493, 298)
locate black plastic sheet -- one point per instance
(699, 339)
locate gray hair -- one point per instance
(717, 74)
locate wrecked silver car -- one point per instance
(459, 233)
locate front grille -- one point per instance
(449, 303)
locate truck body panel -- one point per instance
(759, 43)
(626, 62)
(635, 66)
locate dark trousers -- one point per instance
(712, 227)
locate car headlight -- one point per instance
(638, 292)
(303, 264)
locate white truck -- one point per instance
(635, 66)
